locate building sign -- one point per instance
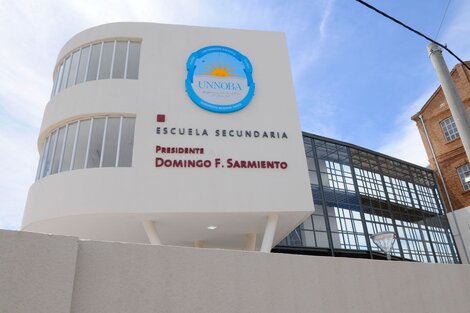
(219, 79)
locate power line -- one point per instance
(414, 31)
(443, 18)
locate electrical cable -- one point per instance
(414, 31)
(443, 18)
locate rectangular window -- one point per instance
(449, 129)
(82, 65)
(69, 140)
(96, 143)
(93, 63)
(82, 142)
(120, 59)
(133, 60)
(73, 69)
(127, 142)
(50, 151)
(106, 59)
(43, 158)
(58, 150)
(464, 169)
(111, 142)
(65, 74)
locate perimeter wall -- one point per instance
(48, 274)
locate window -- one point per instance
(102, 60)
(449, 129)
(94, 142)
(461, 171)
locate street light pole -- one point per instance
(453, 99)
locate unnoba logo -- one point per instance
(219, 79)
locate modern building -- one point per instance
(446, 154)
(357, 193)
(179, 135)
(156, 133)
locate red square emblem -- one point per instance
(161, 118)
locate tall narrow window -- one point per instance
(120, 59)
(50, 152)
(449, 129)
(73, 69)
(94, 60)
(81, 146)
(65, 75)
(68, 150)
(96, 143)
(43, 157)
(58, 150)
(111, 142)
(463, 171)
(82, 65)
(133, 60)
(127, 142)
(106, 60)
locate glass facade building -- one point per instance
(358, 193)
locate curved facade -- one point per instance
(122, 145)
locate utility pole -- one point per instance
(453, 99)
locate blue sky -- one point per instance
(358, 77)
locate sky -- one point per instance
(358, 77)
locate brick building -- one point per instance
(442, 143)
(445, 140)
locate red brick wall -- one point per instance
(450, 155)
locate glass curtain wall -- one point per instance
(358, 193)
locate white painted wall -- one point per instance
(111, 203)
(40, 273)
(462, 233)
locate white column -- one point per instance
(199, 244)
(250, 242)
(269, 233)
(152, 233)
(453, 99)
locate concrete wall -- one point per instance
(461, 233)
(37, 273)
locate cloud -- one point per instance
(18, 162)
(405, 143)
(33, 33)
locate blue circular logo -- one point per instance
(219, 79)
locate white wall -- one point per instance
(36, 275)
(462, 232)
(170, 195)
